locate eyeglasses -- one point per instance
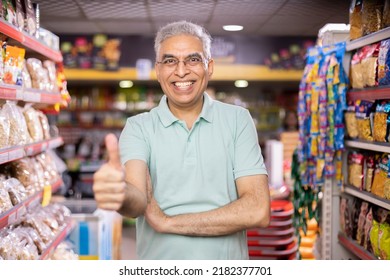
(191, 61)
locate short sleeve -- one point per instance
(248, 159)
(132, 142)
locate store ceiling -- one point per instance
(134, 17)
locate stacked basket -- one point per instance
(277, 241)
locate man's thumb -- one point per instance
(113, 151)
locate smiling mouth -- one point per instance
(183, 85)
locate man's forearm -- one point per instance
(134, 204)
(236, 216)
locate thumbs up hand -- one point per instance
(109, 181)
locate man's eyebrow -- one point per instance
(195, 55)
(190, 55)
(168, 56)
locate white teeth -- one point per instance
(183, 84)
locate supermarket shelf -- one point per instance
(18, 152)
(28, 41)
(370, 94)
(367, 196)
(356, 249)
(367, 145)
(368, 39)
(13, 92)
(15, 214)
(222, 72)
(61, 236)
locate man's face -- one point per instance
(184, 82)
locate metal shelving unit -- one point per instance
(373, 93)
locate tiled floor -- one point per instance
(128, 251)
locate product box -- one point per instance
(96, 235)
(31, 20)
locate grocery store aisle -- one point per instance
(128, 251)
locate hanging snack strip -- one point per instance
(321, 105)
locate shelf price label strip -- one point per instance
(18, 152)
(14, 214)
(13, 92)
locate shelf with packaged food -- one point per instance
(28, 41)
(16, 159)
(367, 196)
(368, 39)
(17, 152)
(368, 145)
(18, 93)
(355, 248)
(370, 94)
(60, 237)
(16, 213)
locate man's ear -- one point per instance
(156, 69)
(210, 68)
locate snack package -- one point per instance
(381, 178)
(383, 63)
(369, 169)
(31, 21)
(356, 71)
(355, 169)
(372, 12)
(4, 130)
(5, 200)
(13, 64)
(362, 219)
(16, 190)
(369, 62)
(381, 115)
(24, 171)
(364, 115)
(18, 126)
(33, 123)
(45, 125)
(367, 229)
(350, 121)
(355, 19)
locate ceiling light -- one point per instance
(125, 84)
(233, 27)
(241, 83)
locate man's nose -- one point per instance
(181, 68)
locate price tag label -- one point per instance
(15, 154)
(32, 96)
(12, 218)
(3, 157)
(19, 94)
(46, 197)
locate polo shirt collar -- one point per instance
(167, 118)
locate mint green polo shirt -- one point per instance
(192, 171)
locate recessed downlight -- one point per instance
(125, 84)
(233, 27)
(241, 83)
